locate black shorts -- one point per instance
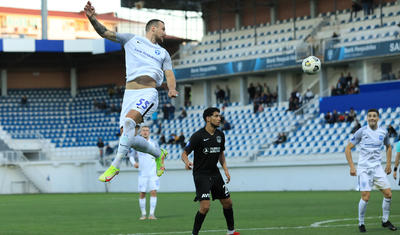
(210, 183)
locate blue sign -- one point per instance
(368, 100)
(364, 50)
(242, 66)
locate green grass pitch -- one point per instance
(255, 213)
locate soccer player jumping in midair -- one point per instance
(146, 64)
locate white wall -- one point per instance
(198, 93)
(13, 181)
(270, 174)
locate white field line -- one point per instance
(320, 224)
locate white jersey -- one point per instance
(147, 164)
(142, 57)
(371, 144)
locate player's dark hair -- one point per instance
(209, 112)
(151, 23)
(373, 111)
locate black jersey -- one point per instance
(207, 149)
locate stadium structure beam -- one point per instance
(3, 82)
(273, 12)
(74, 81)
(281, 87)
(44, 19)
(255, 20)
(313, 8)
(220, 23)
(244, 98)
(207, 93)
(380, 8)
(238, 14)
(323, 82)
(335, 8)
(294, 18)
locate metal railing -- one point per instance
(12, 157)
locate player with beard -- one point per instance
(146, 64)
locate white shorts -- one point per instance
(369, 177)
(145, 101)
(148, 183)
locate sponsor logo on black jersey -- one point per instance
(207, 150)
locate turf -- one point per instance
(255, 213)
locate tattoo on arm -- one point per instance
(100, 29)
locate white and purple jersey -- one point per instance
(371, 143)
(144, 58)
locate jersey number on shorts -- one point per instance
(143, 103)
(226, 189)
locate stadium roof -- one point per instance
(188, 5)
(80, 15)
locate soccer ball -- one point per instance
(311, 65)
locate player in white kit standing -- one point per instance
(146, 64)
(148, 179)
(371, 139)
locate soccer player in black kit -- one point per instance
(208, 145)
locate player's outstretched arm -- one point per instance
(222, 161)
(396, 164)
(350, 159)
(171, 83)
(388, 168)
(100, 29)
(185, 159)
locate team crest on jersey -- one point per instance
(381, 137)
(158, 52)
(218, 139)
